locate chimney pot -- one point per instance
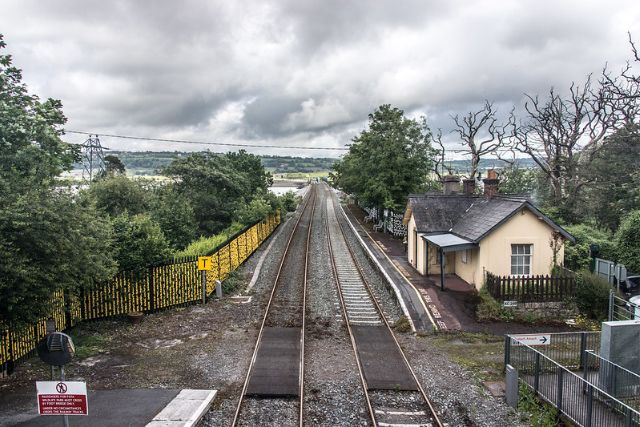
(451, 184)
(469, 186)
(491, 184)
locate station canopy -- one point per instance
(448, 242)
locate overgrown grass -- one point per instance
(206, 245)
(482, 354)
(402, 325)
(88, 343)
(231, 283)
(490, 309)
(540, 413)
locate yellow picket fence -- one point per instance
(149, 289)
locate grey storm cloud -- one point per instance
(301, 73)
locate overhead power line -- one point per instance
(223, 144)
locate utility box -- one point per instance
(620, 343)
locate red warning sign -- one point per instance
(62, 398)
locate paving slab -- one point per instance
(276, 370)
(107, 408)
(382, 363)
(185, 410)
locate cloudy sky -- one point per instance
(298, 73)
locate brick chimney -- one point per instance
(469, 186)
(451, 184)
(491, 184)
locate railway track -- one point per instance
(393, 393)
(274, 384)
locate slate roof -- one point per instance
(470, 217)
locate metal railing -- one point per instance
(566, 348)
(621, 309)
(616, 380)
(577, 398)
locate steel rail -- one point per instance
(343, 304)
(311, 195)
(304, 309)
(386, 323)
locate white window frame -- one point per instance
(524, 260)
(464, 257)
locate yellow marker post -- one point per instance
(205, 263)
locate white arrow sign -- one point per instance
(539, 339)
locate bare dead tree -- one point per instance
(481, 134)
(562, 134)
(626, 84)
(439, 165)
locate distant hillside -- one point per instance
(462, 166)
(149, 162)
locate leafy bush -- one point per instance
(117, 194)
(231, 283)
(254, 211)
(541, 413)
(206, 245)
(138, 242)
(289, 201)
(174, 213)
(628, 241)
(576, 255)
(490, 309)
(592, 295)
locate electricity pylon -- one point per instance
(92, 158)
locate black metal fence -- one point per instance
(566, 388)
(542, 288)
(616, 380)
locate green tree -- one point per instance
(251, 165)
(387, 161)
(628, 241)
(49, 239)
(217, 185)
(518, 180)
(112, 166)
(117, 194)
(175, 215)
(577, 255)
(613, 177)
(138, 242)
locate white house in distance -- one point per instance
(470, 234)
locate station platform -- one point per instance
(430, 308)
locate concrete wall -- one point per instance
(619, 343)
(522, 228)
